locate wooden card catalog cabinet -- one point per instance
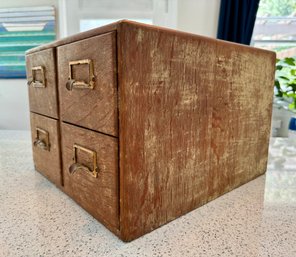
(141, 124)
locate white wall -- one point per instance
(194, 16)
(14, 107)
(75, 10)
(14, 104)
(165, 13)
(199, 16)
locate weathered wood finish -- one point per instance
(194, 122)
(43, 100)
(91, 108)
(190, 121)
(99, 196)
(46, 162)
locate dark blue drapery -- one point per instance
(237, 19)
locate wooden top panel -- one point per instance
(117, 26)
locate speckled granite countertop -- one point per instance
(36, 219)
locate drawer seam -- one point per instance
(96, 131)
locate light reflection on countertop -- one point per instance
(280, 185)
(36, 219)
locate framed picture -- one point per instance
(20, 30)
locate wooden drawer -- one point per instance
(83, 152)
(41, 75)
(87, 83)
(46, 147)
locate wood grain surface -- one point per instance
(194, 122)
(43, 100)
(46, 162)
(99, 196)
(91, 108)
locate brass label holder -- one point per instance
(44, 142)
(76, 166)
(37, 83)
(73, 84)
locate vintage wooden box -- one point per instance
(141, 124)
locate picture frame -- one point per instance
(20, 30)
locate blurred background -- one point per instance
(27, 23)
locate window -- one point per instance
(275, 27)
(81, 15)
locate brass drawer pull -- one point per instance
(76, 166)
(42, 143)
(72, 83)
(37, 83)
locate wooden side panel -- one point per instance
(43, 100)
(194, 122)
(241, 117)
(47, 162)
(99, 196)
(90, 108)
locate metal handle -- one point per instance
(72, 83)
(76, 166)
(42, 143)
(37, 83)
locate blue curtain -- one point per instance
(237, 20)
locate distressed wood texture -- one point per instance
(99, 196)
(91, 108)
(43, 100)
(194, 122)
(190, 121)
(47, 162)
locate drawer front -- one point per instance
(90, 162)
(41, 75)
(46, 147)
(87, 83)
